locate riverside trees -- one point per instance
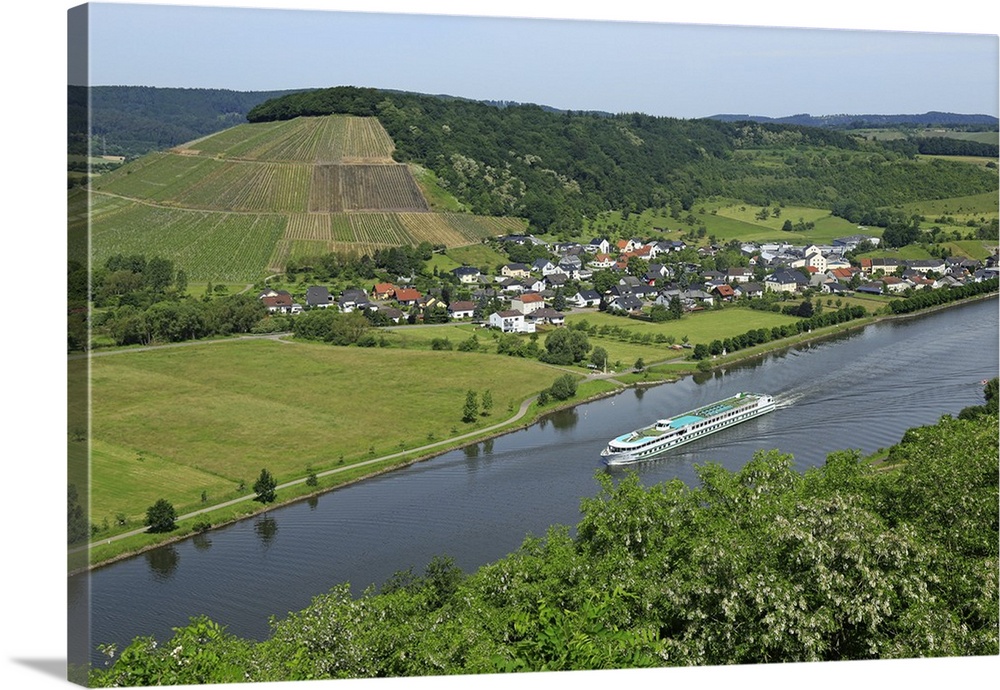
(766, 564)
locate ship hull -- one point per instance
(673, 432)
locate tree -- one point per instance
(161, 516)
(566, 346)
(471, 409)
(564, 387)
(77, 523)
(599, 357)
(264, 487)
(639, 364)
(487, 402)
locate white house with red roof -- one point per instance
(528, 302)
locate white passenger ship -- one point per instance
(684, 428)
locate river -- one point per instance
(862, 389)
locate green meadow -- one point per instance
(174, 422)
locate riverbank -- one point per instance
(591, 388)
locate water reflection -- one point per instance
(488, 447)
(563, 420)
(266, 529)
(201, 541)
(163, 561)
(313, 501)
(471, 451)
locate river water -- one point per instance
(861, 390)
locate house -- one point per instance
(544, 266)
(599, 245)
(318, 296)
(510, 321)
(547, 316)
(751, 290)
(871, 288)
(351, 299)
(603, 260)
(626, 303)
(739, 274)
(461, 310)
(279, 301)
(527, 303)
(886, 265)
(928, 265)
(586, 298)
(840, 275)
(785, 280)
(467, 274)
(626, 246)
(383, 290)
(407, 297)
(851, 243)
(832, 287)
(555, 280)
(393, 314)
(430, 301)
(515, 270)
(724, 292)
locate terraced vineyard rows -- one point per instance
(477, 228)
(235, 142)
(241, 186)
(340, 228)
(366, 139)
(308, 226)
(380, 188)
(324, 189)
(158, 176)
(245, 200)
(381, 229)
(326, 140)
(207, 245)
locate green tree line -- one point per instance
(848, 560)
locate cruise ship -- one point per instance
(684, 428)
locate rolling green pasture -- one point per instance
(962, 208)
(737, 221)
(175, 422)
(973, 249)
(478, 255)
(979, 161)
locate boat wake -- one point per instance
(787, 400)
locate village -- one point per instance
(630, 277)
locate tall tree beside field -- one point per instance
(471, 409)
(265, 487)
(161, 516)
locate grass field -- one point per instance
(223, 411)
(699, 327)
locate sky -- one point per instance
(772, 74)
(682, 70)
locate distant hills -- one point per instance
(134, 120)
(929, 119)
(555, 169)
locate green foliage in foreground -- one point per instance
(844, 561)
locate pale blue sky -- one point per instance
(680, 70)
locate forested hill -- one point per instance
(134, 120)
(556, 168)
